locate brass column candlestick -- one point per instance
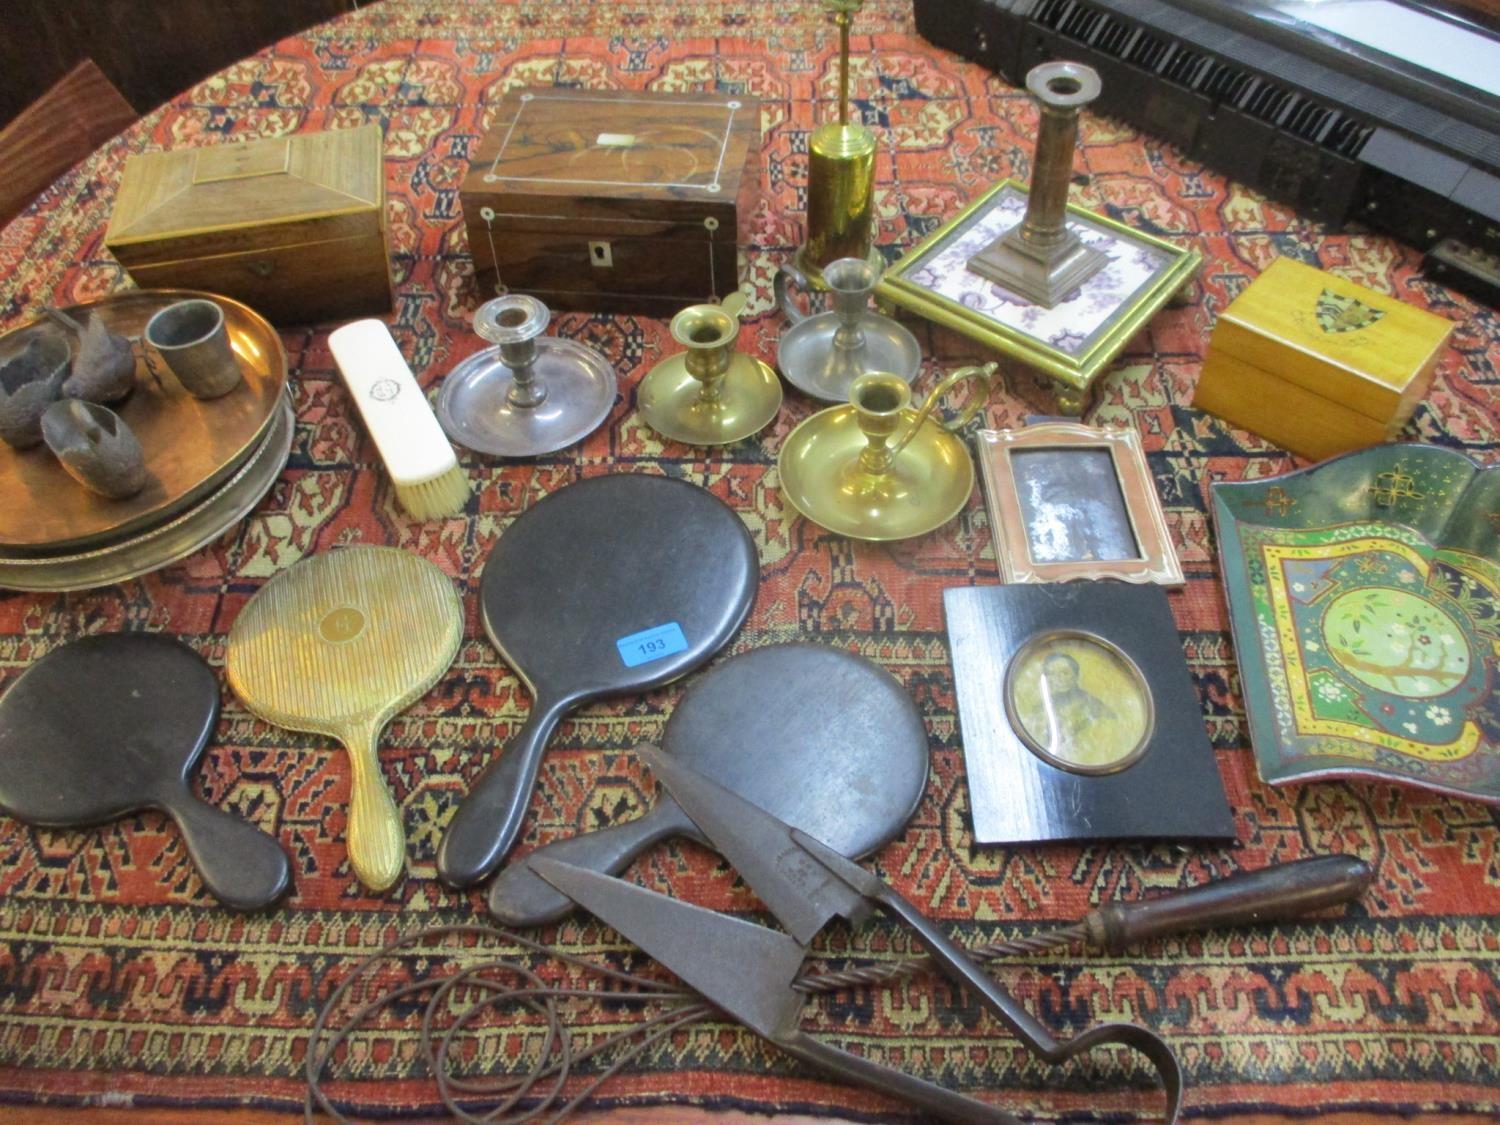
(840, 174)
(1040, 258)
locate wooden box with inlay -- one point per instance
(613, 200)
(295, 227)
(1317, 364)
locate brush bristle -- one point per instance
(443, 496)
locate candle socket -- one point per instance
(709, 335)
(514, 322)
(1040, 258)
(821, 354)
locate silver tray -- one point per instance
(169, 543)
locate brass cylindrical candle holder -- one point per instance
(1040, 258)
(710, 394)
(708, 333)
(840, 196)
(840, 175)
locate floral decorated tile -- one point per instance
(1075, 322)
(1073, 341)
(1364, 594)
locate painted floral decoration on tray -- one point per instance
(1364, 595)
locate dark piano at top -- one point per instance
(1383, 112)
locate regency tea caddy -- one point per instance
(295, 227)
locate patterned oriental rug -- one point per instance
(121, 980)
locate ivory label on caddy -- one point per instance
(651, 644)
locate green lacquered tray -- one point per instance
(1364, 594)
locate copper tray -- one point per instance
(205, 522)
(191, 445)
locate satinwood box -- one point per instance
(293, 226)
(1317, 364)
(613, 200)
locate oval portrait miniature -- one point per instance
(1079, 703)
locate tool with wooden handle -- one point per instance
(750, 971)
(1283, 890)
(1259, 896)
(753, 973)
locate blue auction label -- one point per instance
(651, 644)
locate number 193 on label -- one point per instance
(651, 644)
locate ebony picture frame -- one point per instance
(1098, 491)
(1171, 790)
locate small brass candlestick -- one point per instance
(1040, 258)
(711, 394)
(840, 175)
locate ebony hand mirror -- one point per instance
(818, 737)
(616, 584)
(109, 725)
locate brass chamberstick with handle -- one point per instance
(879, 468)
(337, 646)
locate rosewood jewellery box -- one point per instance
(294, 226)
(612, 200)
(1317, 364)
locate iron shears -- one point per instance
(748, 970)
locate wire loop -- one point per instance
(557, 1057)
